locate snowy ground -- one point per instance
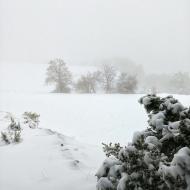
(88, 118)
(48, 160)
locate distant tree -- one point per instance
(180, 83)
(13, 132)
(109, 74)
(88, 83)
(126, 83)
(58, 74)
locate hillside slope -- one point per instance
(48, 160)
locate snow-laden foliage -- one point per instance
(12, 134)
(31, 119)
(157, 158)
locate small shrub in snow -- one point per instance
(14, 126)
(5, 138)
(32, 119)
(17, 136)
(158, 158)
(13, 132)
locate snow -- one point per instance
(146, 101)
(174, 107)
(45, 159)
(181, 160)
(122, 182)
(180, 166)
(106, 166)
(104, 184)
(90, 118)
(157, 120)
(136, 136)
(127, 152)
(152, 141)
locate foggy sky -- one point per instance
(154, 33)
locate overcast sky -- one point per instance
(154, 33)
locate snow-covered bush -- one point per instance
(5, 138)
(13, 132)
(158, 158)
(31, 119)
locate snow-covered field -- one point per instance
(92, 119)
(89, 118)
(65, 152)
(48, 160)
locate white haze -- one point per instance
(152, 33)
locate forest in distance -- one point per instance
(115, 76)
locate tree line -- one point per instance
(115, 77)
(107, 79)
(173, 83)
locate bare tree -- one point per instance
(109, 74)
(88, 83)
(126, 83)
(58, 74)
